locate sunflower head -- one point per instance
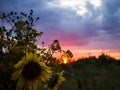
(55, 81)
(30, 72)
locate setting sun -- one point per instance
(65, 60)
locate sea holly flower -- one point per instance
(30, 72)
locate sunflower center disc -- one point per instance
(31, 70)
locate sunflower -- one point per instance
(55, 81)
(30, 72)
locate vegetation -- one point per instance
(102, 73)
(20, 58)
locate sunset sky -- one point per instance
(86, 27)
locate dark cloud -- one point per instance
(110, 9)
(67, 25)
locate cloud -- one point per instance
(77, 23)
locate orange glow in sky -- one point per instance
(86, 53)
(65, 60)
(82, 52)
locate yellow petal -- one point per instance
(29, 85)
(16, 75)
(20, 84)
(35, 86)
(19, 64)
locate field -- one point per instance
(102, 73)
(92, 73)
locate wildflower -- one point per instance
(55, 81)
(20, 24)
(1, 17)
(31, 72)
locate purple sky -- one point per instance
(77, 24)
